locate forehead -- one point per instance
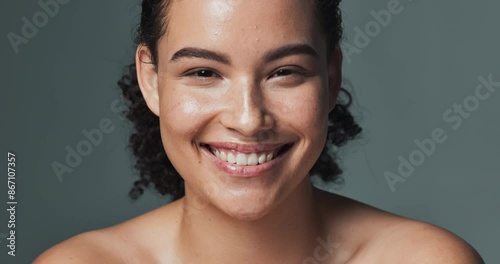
(241, 25)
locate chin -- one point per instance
(247, 206)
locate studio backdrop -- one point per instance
(425, 79)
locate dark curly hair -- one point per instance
(152, 162)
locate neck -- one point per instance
(286, 234)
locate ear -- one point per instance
(334, 76)
(147, 76)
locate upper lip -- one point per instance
(245, 148)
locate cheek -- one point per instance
(308, 112)
(184, 114)
(181, 115)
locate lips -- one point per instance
(246, 155)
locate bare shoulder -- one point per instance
(418, 242)
(132, 241)
(88, 247)
(377, 236)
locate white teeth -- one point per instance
(262, 158)
(230, 158)
(252, 159)
(243, 159)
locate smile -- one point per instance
(246, 155)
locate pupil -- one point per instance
(205, 73)
(284, 72)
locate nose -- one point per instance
(247, 112)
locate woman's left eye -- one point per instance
(285, 72)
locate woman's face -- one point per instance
(243, 91)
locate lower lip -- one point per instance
(245, 171)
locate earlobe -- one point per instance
(147, 76)
(334, 76)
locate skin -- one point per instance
(244, 98)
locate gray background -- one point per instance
(428, 58)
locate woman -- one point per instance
(242, 98)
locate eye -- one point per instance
(289, 72)
(202, 77)
(203, 73)
(283, 72)
(290, 76)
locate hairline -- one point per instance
(166, 6)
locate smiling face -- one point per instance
(243, 90)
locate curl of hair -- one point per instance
(145, 141)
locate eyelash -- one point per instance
(290, 72)
(194, 73)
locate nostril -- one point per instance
(264, 135)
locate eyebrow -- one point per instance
(289, 50)
(276, 54)
(191, 52)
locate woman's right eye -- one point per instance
(203, 73)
